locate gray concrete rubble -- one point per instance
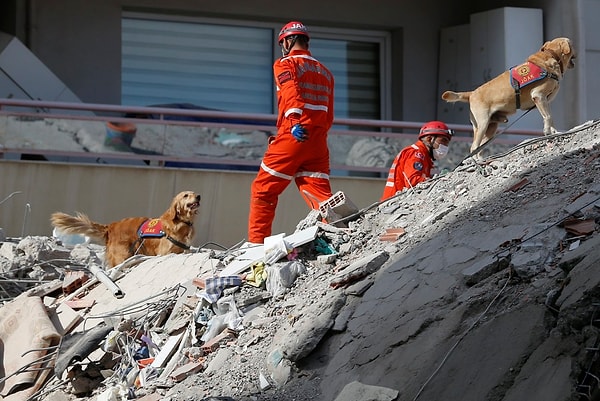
(480, 284)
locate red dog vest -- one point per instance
(151, 228)
(524, 74)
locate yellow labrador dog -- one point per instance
(534, 83)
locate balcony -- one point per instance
(188, 137)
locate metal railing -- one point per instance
(161, 129)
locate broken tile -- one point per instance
(214, 343)
(392, 234)
(580, 227)
(73, 280)
(518, 185)
(80, 303)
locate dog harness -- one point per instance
(524, 74)
(152, 228)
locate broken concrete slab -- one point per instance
(584, 201)
(186, 370)
(64, 318)
(548, 370)
(156, 277)
(506, 339)
(483, 268)
(436, 215)
(583, 274)
(297, 339)
(359, 269)
(357, 391)
(219, 362)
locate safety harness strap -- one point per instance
(524, 74)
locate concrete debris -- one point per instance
(357, 391)
(454, 282)
(359, 269)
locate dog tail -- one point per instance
(451, 97)
(80, 224)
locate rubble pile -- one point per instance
(477, 284)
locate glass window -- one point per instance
(215, 66)
(355, 66)
(228, 66)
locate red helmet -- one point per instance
(436, 128)
(292, 28)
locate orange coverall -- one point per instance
(411, 166)
(305, 96)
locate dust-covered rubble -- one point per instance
(487, 277)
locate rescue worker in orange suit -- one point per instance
(414, 163)
(299, 151)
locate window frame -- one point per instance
(382, 38)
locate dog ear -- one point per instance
(565, 47)
(173, 210)
(544, 46)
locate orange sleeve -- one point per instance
(412, 168)
(288, 92)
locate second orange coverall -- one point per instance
(411, 166)
(304, 96)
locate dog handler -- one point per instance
(299, 151)
(414, 163)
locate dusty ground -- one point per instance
(486, 297)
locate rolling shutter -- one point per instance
(221, 67)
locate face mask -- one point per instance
(440, 152)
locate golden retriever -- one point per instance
(172, 232)
(492, 102)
